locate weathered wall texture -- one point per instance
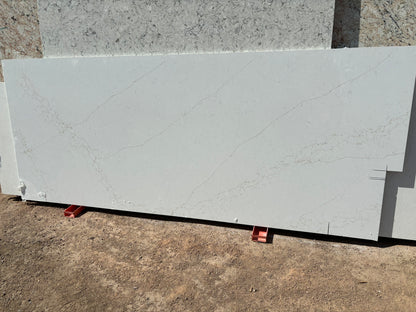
(387, 23)
(374, 23)
(98, 27)
(19, 30)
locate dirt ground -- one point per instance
(108, 261)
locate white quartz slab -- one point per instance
(8, 169)
(291, 140)
(96, 27)
(398, 218)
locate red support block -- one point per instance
(260, 234)
(73, 211)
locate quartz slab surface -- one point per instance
(385, 23)
(393, 23)
(399, 203)
(292, 140)
(399, 208)
(9, 180)
(96, 27)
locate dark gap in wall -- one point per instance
(346, 29)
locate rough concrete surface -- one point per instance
(114, 262)
(387, 23)
(19, 30)
(97, 27)
(374, 23)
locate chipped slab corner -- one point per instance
(9, 179)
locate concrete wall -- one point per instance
(126, 27)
